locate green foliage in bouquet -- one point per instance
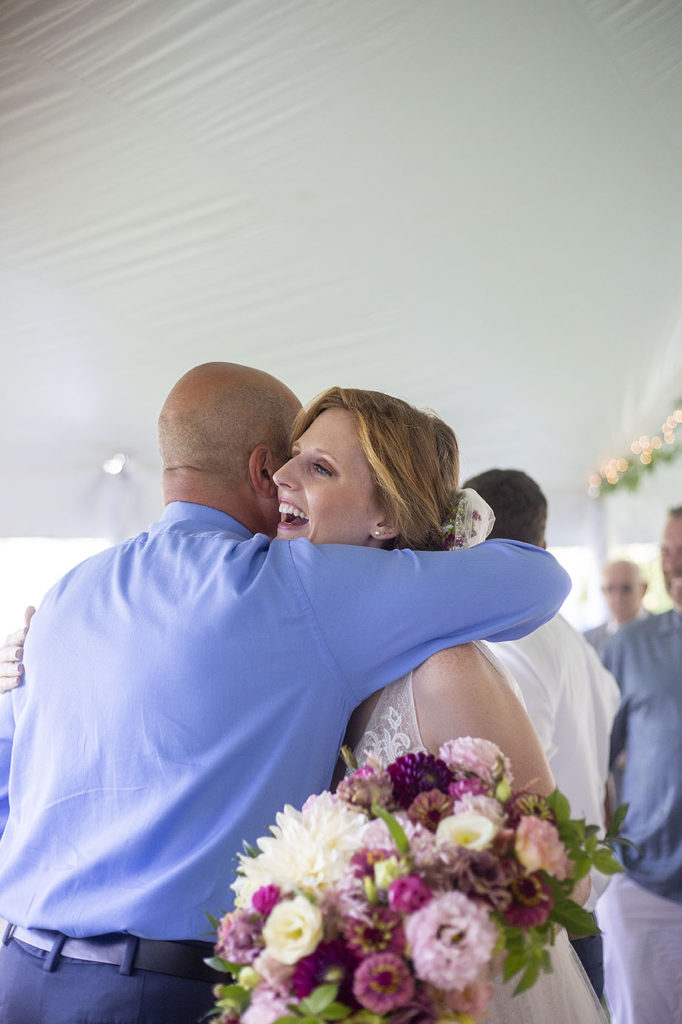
(404, 894)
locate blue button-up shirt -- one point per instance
(184, 685)
(646, 659)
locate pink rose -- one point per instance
(538, 847)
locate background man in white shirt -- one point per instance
(571, 698)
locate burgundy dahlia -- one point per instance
(332, 963)
(413, 774)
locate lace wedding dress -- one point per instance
(563, 997)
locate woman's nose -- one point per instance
(283, 475)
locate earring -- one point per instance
(378, 533)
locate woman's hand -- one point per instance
(12, 653)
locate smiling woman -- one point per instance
(326, 489)
(368, 469)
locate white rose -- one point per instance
(293, 929)
(467, 829)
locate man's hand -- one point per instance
(11, 654)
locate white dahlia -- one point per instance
(308, 849)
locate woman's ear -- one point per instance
(384, 531)
(262, 465)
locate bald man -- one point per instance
(623, 588)
(183, 685)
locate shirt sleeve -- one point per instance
(6, 738)
(381, 613)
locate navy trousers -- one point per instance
(590, 951)
(75, 992)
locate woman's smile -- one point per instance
(326, 490)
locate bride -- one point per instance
(372, 470)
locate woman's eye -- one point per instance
(322, 470)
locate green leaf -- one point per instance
(528, 978)
(213, 921)
(605, 861)
(513, 963)
(235, 995)
(617, 821)
(319, 999)
(560, 805)
(336, 1011)
(219, 964)
(249, 850)
(575, 920)
(394, 827)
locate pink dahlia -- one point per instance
(532, 902)
(451, 940)
(412, 774)
(331, 963)
(383, 983)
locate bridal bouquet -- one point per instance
(400, 897)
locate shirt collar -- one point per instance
(178, 511)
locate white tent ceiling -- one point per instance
(474, 204)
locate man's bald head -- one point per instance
(213, 420)
(218, 413)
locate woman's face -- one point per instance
(326, 492)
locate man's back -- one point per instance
(572, 701)
(184, 685)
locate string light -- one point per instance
(647, 451)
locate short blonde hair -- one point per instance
(413, 458)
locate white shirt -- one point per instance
(572, 701)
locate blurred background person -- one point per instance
(640, 913)
(623, 588)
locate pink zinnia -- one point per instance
(532, 902)
(539, 848)
(407, 894)
(383, 983)
(378, 930)
(429, 808)
(451, 939)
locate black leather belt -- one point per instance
(182, 959)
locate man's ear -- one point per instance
(262, 465)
